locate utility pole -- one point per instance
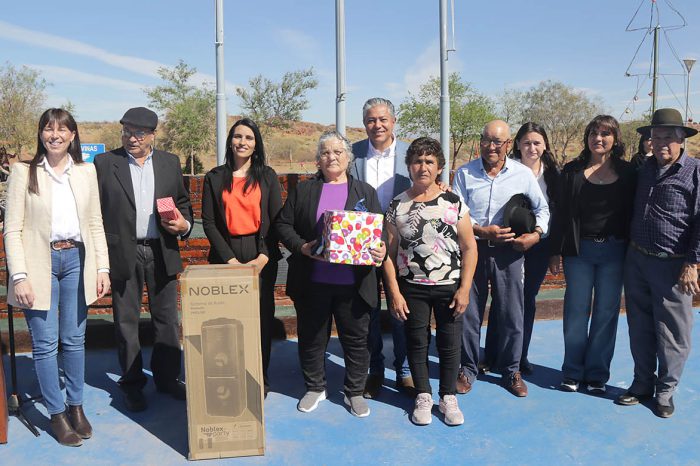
(220, 85)
(444, 94)
(340, 66)
(655, 76)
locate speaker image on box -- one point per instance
(224, 367)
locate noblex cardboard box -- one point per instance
(223, 363)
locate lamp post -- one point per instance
(689, 62)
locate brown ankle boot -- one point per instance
(80, 424)
(61, 428)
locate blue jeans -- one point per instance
(65, 320)
(596, 276)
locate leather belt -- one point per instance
(64, 244)
(146, 242)
(658, 255)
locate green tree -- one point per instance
(510, 107)
(22, 99)
(273, 104)
(189, 112)
(562, 110)
(469, 112)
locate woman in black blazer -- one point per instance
(322, 291)
(240, 200)
(591, 230)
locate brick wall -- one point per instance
(194, 250)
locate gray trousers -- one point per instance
(660, 320)
(501, 267)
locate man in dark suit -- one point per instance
(380, 162)
(144, 247)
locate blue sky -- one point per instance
(101, 55)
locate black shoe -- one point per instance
(484, 367)
(630, 398)
(176, 389)
(134, 400)
(665, 411)
(373, 386)
(61, 428)
(526, 367)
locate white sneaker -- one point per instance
(357, 404)
(310, 401)
(422, 413)
(449, 407)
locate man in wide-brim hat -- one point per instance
(661, 265)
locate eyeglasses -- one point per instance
(138, 134)
(485, 142)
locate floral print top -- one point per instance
(428, 252)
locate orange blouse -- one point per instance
(242, 210)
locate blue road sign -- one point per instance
(91, 150)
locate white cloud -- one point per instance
(302, 43)
(58, 74)
(426, 66)
(133, 64)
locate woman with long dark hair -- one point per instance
(57, 262)
(591, 231)
(240, 200)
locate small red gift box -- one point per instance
(166, 208)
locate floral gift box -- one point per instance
(348, 235)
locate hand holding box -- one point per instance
(348, 235)
(166, 208)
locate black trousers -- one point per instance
(166, 358)
(245, 249)
(315, 314)
(421, 301)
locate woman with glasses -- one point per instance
(240, 201)
(590, 231)
(58, 264)
(323, 291)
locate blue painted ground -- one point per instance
(547, 427)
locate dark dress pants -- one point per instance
(315, 313)
(127, 295)
(536, 263)
(501, 268)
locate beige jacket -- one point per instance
(27, 231)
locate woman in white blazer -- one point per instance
(57, 262)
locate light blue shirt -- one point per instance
(143, 180)
(486, 196)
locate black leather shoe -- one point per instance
(61, 428)
(176, 389)
(373, 386)
(630, 398)
(526, 367)
(665, 411)
(80, 424)
(134, 400)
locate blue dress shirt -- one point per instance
(486, 196)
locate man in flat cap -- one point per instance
(143, 247)
(661, 265)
